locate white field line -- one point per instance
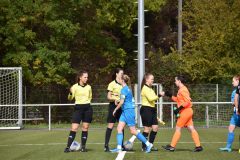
(52, 144)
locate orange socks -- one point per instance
(175, 138)
(195, 138)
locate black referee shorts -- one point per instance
(82, 112)
(149, 116)
(111, 118)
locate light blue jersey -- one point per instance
(232, 98)
(128, 111)
(235, 119)
(126, 94)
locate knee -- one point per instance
(74, 129)
(146, 129)
(85, 128)
(110, 125)
(155, 128)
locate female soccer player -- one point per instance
(113, 96)
(82, 92)
(127, 116)
(184, 109)
(235, 120)
(148, 110)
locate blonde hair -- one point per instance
(127, 79)
(237, 77)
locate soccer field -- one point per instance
(49, 145)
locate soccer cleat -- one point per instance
(154, 149)
(169, 148)
(83, 149)
(67, 149)
(225, 149)
(106, 149)
(116, 150)
(198, 149)
(148, 148)
(143, 149)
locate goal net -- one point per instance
(10, 98)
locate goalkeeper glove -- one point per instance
(176, 111)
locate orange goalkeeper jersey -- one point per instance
(183, 98)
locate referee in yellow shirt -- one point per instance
(148, 110)
(114, 89)
(82, 93)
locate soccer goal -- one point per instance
(10, 98)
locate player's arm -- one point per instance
(110, 97)
(236, 101)
(90, 94)
(151, 96)
(119, 105)
(71, 94)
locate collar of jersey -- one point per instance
(148, 86)
(117, 82)
(81, 85)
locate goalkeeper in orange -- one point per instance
(184, 113)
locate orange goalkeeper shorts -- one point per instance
(185, 118)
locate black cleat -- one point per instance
(143, 149)
(106, 149)
(67, 150)
(154, 149)
(198, 149)
(169, 148)
(83, 149)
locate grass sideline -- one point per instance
(49, 145)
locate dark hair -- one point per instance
(146, 75)
(117, 70)
(80, 74)
(181, 78)
(127, 79)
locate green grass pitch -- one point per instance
(49, 145)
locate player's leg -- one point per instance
(146, 117)
(87, 119)
(140, 136)
(195, 137)
(76, 119)
(181, 121)
(153, 133)
(120, 127)
(110, 120)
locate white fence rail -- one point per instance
(206, 114)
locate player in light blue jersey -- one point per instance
(128, 116)
(235, 120)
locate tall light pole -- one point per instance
(141, 50)
(180, 26)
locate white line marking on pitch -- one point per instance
(52, 144)
(121, 155)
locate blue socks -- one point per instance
(141, 137)
(230, 139)
(119, 138)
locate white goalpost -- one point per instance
(10, 97)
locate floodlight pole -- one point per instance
(141, 50)
(180, 26)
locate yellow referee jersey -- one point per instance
(148, 96)
(82, 94)
(115, 88)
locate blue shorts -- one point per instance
(128, 117)
(235, 120)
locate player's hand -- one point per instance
(115, 110)
(162, 93)
(116, 102)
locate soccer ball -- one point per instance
(75, 146)
(128, 145)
